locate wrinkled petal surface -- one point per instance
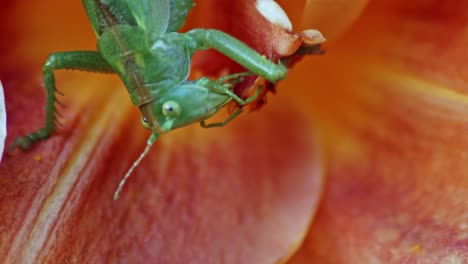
(245, 193)
(388, 103)
(3, 121)
(390, 96)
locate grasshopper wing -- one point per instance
(150, 15)
(179, 12)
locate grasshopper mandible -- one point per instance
(138, 40)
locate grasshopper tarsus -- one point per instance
(27, 141)
(21, 142)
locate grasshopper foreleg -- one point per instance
(239, 52)
(75, 60)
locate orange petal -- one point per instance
(332, 17)
(201, 195)
(394, 122)
(243, 194)
(3, 120)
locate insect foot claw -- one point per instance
(21, 142)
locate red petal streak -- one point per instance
(245, 193)
(404, 198)
(201, 196)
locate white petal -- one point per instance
(274, 13)
(312, 37)
(3, 131)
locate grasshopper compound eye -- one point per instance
(145, 123)
(171, 109)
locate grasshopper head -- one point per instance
(183, 105)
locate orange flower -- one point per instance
(361, 152)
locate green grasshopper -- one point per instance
(138, 40)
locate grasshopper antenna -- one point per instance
(150, 142)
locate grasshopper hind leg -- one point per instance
(75, 60)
